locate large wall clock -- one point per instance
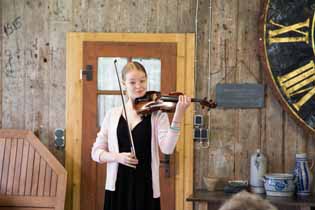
(288, 54)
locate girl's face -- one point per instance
(136, 84)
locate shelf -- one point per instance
(220, 197)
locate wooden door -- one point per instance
(92, 174)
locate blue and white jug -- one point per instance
(303, 174)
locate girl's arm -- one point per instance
(168, 135)
(100, 152)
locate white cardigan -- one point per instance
(162, 137)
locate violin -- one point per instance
(153, 101)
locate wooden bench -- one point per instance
(30, 176)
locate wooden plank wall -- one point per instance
(232, 31)
(32, 91)
(33, 69)
(1, 62)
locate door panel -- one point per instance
(92, 174)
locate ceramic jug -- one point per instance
(258, 168)
(303, 174)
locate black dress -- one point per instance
(134, 186)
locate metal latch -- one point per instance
(87, 72)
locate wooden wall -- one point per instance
(33, 67)
(236, 134)
(32, 79)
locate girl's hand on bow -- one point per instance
(127, 159)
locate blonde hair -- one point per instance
(132, 66)
(247, 201)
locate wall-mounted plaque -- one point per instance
(240, 96)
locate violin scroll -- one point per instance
(210, 104)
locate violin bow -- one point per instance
(133, 151)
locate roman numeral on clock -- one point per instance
(296, 81)
(274, 34)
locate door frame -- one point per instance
(184, 83)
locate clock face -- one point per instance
(289, 56)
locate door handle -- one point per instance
(166, 163)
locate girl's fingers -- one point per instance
(129, 165)
(188, 99)
(180, 98)
(132, 161)
(184, 101)
(127, 158)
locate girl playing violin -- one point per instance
(133, 183)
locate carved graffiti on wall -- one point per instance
(16, 60)
(10, 27)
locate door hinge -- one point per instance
(88, 73)
(166, 162)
